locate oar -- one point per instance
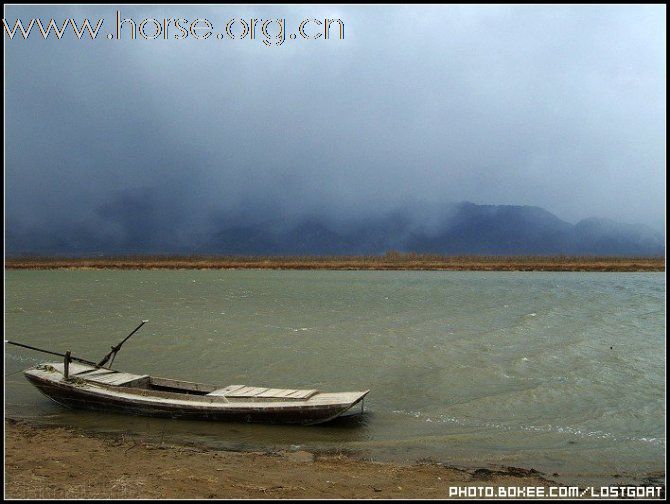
(100, 364)
(115, 349)
(83, 361)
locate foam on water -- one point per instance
(530, 428)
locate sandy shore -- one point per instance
(425, 262)
(52, 462)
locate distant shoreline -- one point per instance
(387, 262)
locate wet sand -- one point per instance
(53, 462)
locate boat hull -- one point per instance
(72, 395)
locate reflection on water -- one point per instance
(561, 371)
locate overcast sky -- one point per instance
(559, 106)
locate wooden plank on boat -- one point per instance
(284, 393)
(226, 390)
(75, 368)
(255, 391)
(302, 394)
(244, 392)
(273, 392)
(270, 393)
(96, 372)
(115, 378)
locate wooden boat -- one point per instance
(105, 389)
(78, 383)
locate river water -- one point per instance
(562, 372)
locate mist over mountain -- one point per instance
(135, 225)
(352, 145)
(326, 146)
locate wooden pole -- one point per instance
(66, 367)
(116, 348)
(77, 359)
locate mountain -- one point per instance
(627, 239)
(454, 229)
(464, 228)
(493, 229)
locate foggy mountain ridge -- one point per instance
(451, 229)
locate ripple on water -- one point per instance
(533, 365)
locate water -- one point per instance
(563, 372)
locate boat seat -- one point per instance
(244, 391)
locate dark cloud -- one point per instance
(560, 107)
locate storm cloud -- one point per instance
(560, 107)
